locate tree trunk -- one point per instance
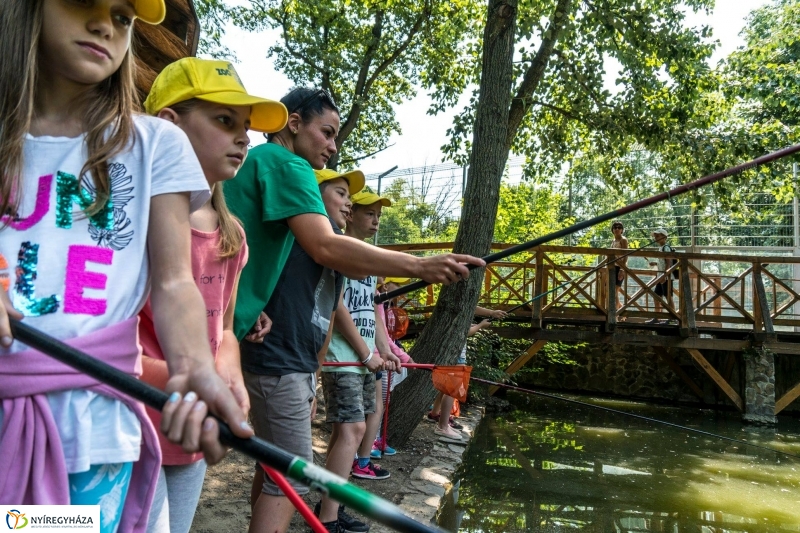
(445, 334)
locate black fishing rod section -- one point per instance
(294, 467)
(677, 191)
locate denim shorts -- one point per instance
(462, 358)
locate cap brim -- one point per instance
(150, 11)
(356, 180)
(266, 116)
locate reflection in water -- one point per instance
(553, 467)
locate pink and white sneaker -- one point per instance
(371, 471)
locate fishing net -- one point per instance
(396, 322)
(452, 380)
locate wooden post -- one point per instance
(688, 325)
(520, 361)
(675, 367)
(719, 380)
(761, 313)
(790, 396)
(611, 304)
(539, 286)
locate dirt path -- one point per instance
(225, 500)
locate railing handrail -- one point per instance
(586, 250)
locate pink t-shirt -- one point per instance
(216, 280)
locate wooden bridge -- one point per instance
(728, 302)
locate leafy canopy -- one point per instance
(368, 54)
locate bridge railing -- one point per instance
(709, 290)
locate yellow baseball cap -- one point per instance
(355, 178)
(150, 11)
(398, 281)
(212, 81)
(369, 198)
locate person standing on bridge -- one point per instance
(619, 242)
(664, 282)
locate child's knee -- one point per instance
(352, 431)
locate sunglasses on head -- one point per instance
(319, 93)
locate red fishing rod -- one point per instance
(677, 191)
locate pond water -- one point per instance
(553, 466)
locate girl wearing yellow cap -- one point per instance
(207, 101)
(96, 215)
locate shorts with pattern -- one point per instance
(349, 397)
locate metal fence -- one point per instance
(433, 196)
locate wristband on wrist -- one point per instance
(367, 360)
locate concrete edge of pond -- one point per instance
(421, 495)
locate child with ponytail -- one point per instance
(207, 101)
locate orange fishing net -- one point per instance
(452, 380)
(396, 322)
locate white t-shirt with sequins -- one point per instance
(70, 274)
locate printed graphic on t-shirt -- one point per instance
(203, 281)
(121, 193)
(105, 226)
(359, 296)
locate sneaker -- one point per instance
(449, 434)
(432, 417)
(346, 522)
(371, 471)
(376, 446)
(332, 527)
(652, 321)
(454, 424)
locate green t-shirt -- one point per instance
(273, 184)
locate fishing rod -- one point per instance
(681, 189)
(262, 451)
(633, 415)
(603, 264)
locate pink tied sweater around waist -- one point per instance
(32, 466)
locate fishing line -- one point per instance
(633, 415)
(681, 189)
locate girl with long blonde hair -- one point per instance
(95, 215)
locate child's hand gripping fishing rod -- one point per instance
(296, 468)
(677, 191)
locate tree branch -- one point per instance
(359, 158)
(359, 97)
(292, 52)
(520, 104)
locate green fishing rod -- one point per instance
(294, 467)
